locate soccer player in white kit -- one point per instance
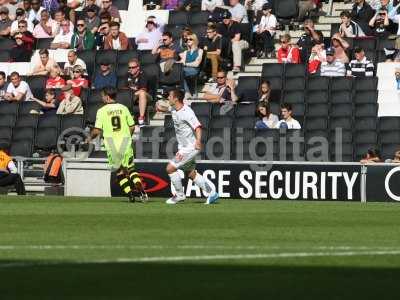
(188, 135)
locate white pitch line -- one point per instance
(162, 259)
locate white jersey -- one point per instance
(185, 123)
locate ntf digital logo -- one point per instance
(387, 184)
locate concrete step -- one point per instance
(298, 33)
(253, 68)
(328, 20)
(261, 61)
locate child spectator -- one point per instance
(288, 53)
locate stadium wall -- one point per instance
(250, 180)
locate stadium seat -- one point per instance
(37, 84)
(46, 138)
(106, 55)
(295, 70)
(341, 110)
(172, 80)
(125, 97)
(366, 97)
(317, 110)
(366, 110)
(365, 123)
(341, 152)
(21, 148)
(294, 84)
(389, 137)
(388, 150)
(27, 121)
(385, 43)
(341, 83)
(7, 120)
(200, 30)
(245, 109)
(247, 88)
(244, 122)
(365, 137)
(178, 17)
(199, 17)
(365, 43)
(315, 123)
(95, 97)
(6, 43)
(340, 97)
(293, 97)
(175, 30)
(23, 133)
(121, 4)
(275, 108)
(91, 111)
(344, 123)
(286, 10)
(205, 123)
(6, 133)
(124, 56)
(43, 43)
(221, 122)
(88, 56)
(389, 123)
(315, 96)
(48, 121)
(218, 109)
(318, 83)
(69, 121)
(365, 83)
(266, 145)
(8, 108)
(292, 151)
(25, 107)
(201, 108)
(275, 82)
(360, 150)
(122, 72)
(4, 56)
(272, 70)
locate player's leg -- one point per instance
(124, 183)
(133, 176)
(176, 180)
(199, 180)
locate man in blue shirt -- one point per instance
(105, 77)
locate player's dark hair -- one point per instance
(3, 75)
(114, 24)
(286, 106)
(14, 74)
(179, 94)
(110, 92)
(346, 14)
(168, 34)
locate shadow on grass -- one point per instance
(193, 281)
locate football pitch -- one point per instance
(80, 248)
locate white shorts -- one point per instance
(188, 161)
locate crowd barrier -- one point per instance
(250, 180)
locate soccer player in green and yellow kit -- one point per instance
(116, 123)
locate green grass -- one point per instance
(80, 248)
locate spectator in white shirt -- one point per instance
(332, 67)
(34, 13)
(72, 62)
(18, 90)
(210, 5)
(238, 12)
(63, 39)
(265, 32)
(287, 122)
(20, 15)
(149, 38)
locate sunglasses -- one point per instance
(3, 13)
(80, 25)
(77, 72)
(133, 67)
(220, 77)
(283, 42)
(190, 39)
(164, 40)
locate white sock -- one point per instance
(201, 183)
(176, 181)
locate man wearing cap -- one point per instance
(71, 103)
(230, 29)
(5, 22)
(332, 67)
(91, 19)
(20, 15)
(149, 38)
(82, 39)
(361, 66)
(105, 77)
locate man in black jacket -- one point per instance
(362, 13)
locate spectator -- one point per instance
(267, 119)
(182, 43)
(51, 6)
(191, 60)
(213, 48)
(11, 8)
(362, 13)
(46, 28)
(317, 55)
(332, 67)
(139, 84)
(264, 92)
(238, 12)
(158, 23)
(379, 24)
(305, 7)
(105, 77)
(50, 104)
(22, 51)
(149, 38)
(69, 13)
(372, 156)
(18, 90)
(45, 63)
(55, 81)
(167, 52)
(221, 91)
(27, 36)
(83, 38)
(256, 5)
(3, 85)
(191, 5)
(71, 103)
(63, 39)
(340, 45)
(384, 4)
(170, 4)
(9, 172)
(34, 12)
(210, 5)
(265, 32)
(60, 17)
(287, 121)
(26, 5)
(361, 66)
(20, 16)
(111, 9)
(349, 28)
(116, 39)
(78, 82)
(5, 22)
(100, 37)
(151, 4)
(394, 16)
(396, 158)
(308, 39)
(288, 53)
(91, 4)
(92, 20)
(230, 29)
(72, 62)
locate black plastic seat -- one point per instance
(318, 83)
(6, 133)
(25, 107)
(365, 83)
(341, 110)
(37, 84)
(199, 17)
(366, 97)
(245, 110)
(43, 43)
(7, 120)
(345, 123)
(366, 137)
(341, 83)
(365, 123)
(245, 122)
(316, 123)
(178, 17)
(109, 56)
(294, 84)
(8, 108)
(340, 97)
(247, 88)
(21, 133)
(295, 70)
(69, 121)
(315, 96)
(293, 97)
(27, 121)
(88, 56)
(389, 123)
(48, 121)
(272, 70)
(317, 110)
(125, 97)
(366, 110)
(124, 56)
(46, 138)
(201, 108)
(21, 148)
(389, 137)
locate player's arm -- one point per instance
(95, 132)
(197, 132)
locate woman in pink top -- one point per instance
(46, 28)
(340, 46)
